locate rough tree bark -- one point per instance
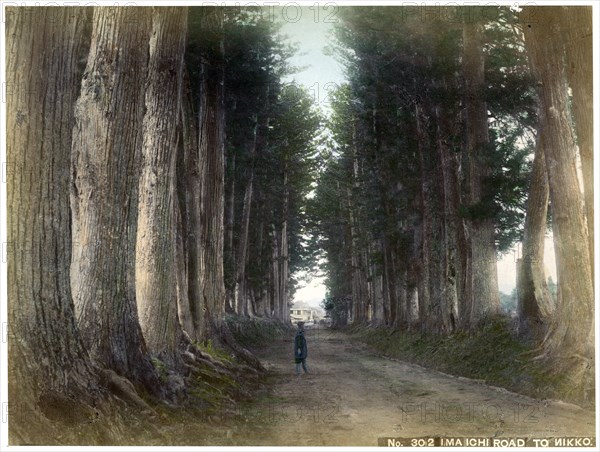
(577, 30)
(275, 272)
(188, 238)
(240, 301)
(357, 299)
(188, 186)
(47, 359)
(358, 246)
(482, 278)
(388, 288)
(451, 222)
(436, 314)
(262, 303)
(283, 260)
(229, 255)
(181, 268)
(211, 161)
(534, 304)
(412, 285)
(570, 340)
(427, 299)
(107, 139)
(155, 252)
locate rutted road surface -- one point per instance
(352, 397)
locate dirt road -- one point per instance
(352, 397)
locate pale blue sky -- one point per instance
(311, 27)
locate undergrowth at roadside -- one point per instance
(256, 332)
(209, 348)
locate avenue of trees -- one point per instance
(158, 168)
(162, 175)
(453, 140)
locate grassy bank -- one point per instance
(222, 393)
(493, 355)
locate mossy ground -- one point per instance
(492, 354)
(221, 389)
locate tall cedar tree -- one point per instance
(105, 165)
(570, 342)
(155, 243)
(48, 363)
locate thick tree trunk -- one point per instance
(400, 281)
(107, 140)
(482, 274)
(389, 292)
(155, 252)
(212, 177)
(354, 265)
(181, 276)
(377, 292)
(359, 248)
(412, 292)
(229, 228)
(365, 285)
(358, 295)
(451, 222)
(47, 360)
(275, 271)
(188, 186)
(240, 305)
(284, 253)
(426, 209)
(437, 315)
(412, 276)
(534, 304)
(577, 32)
(570, 341)
(261, 291)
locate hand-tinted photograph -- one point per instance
(298, 224)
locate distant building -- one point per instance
(302, 312)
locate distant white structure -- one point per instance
(302, 312)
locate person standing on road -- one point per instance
(300, 349)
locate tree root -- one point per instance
(124, 389)
(242, 353)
